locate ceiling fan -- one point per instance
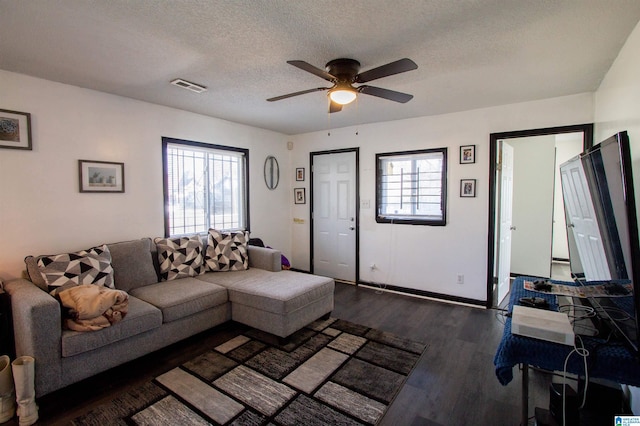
(343, 73)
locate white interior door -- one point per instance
(582, 220)
(334, 215)
(533, 172)
(505, 207)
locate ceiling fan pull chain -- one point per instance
(329, 116)
(357, 115)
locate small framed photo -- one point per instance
(299, 196)
(467, 154)
(300, 174)
(101, 176)
(15, 129)
(467, 187)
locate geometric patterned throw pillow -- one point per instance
(180, 257)
(92, 266)
(227, 251)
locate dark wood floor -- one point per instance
(453, 383)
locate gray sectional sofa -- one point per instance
(161, 312)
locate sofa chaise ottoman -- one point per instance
(279, 303)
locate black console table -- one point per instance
(610, 360)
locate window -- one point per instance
(411, 187)
(205, 186)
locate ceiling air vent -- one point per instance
(188, 85)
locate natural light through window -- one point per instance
(411, 187)
(205, 187)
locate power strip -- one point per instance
(542, 324)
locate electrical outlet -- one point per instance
(460, 279)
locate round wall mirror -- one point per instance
(271, 172)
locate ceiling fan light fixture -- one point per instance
(343, 95)
(344, 72)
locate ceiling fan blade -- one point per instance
(391, 95)
(302, 92)
(334, 107)
(313, 70)
(401, 65)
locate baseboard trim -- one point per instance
(413, 292)
(425, 294)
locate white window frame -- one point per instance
(410, 194)
(205, 186)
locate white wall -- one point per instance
(429, 258)
(617, 108)
(41, 210)
(617, 100)
(533, 173)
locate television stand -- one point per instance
(604, 402)
(609, 360)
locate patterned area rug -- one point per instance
(333, 372)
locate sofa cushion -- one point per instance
(227, 251)
(281, 292)
(132, 264)
(181, 298)
(141, 317)
(180, 257)
(91, 266)
(231, 279)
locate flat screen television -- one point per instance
(602, 227)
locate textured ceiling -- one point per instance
(470, 53)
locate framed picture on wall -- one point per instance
(15, 129)
(300, 174)
(467, 187)
(467, 154)
(299, 196)
(101, 176)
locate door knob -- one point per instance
(352, 228)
